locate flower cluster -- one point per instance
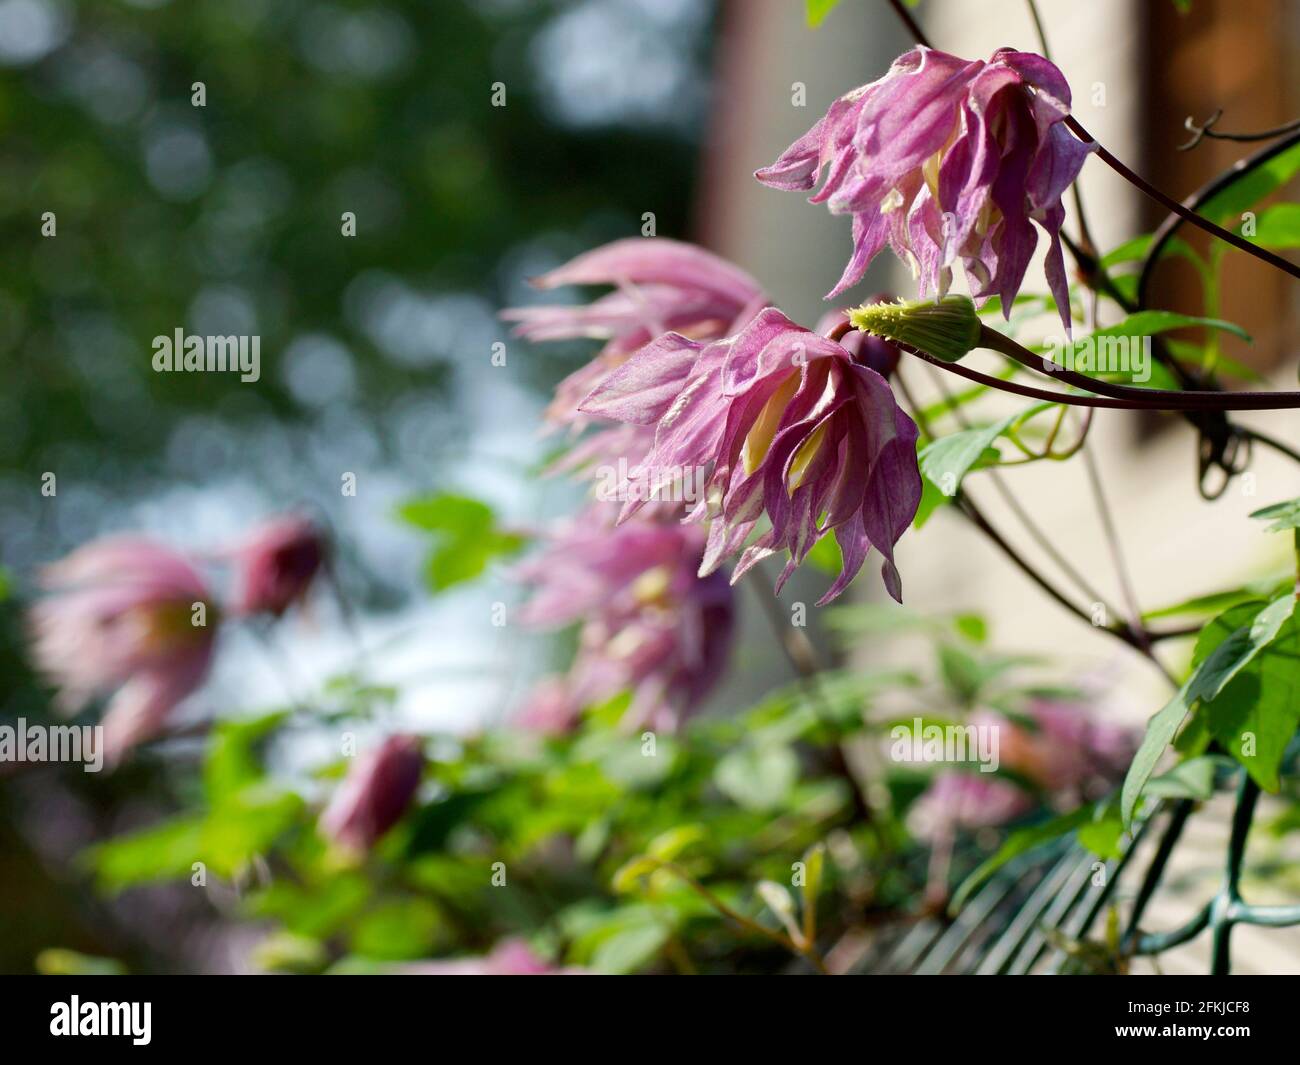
(650, 625)
(131, 617)
(946, 159)
(661, 285)
(792, 429)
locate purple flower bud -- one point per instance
(277, 565)
(375, 793)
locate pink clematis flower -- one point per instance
(650, 625)
(375, 794)
(789, 426)
(1065, 749)
(662, 285)
(277, 564)
(550, 709)
(127, 614)
(947, 159)
(956, 800)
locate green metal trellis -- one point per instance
(1023, 919)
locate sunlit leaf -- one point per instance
(817, 10)
(466, 537)
(1227, 205)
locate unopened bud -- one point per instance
(947, 328)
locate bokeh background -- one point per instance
(377, 348)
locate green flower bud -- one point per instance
(947, 328)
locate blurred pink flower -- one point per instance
(788, 425)
(650, 624)
(943, 159)
(510, 957)
(375, 793)
(277, 563)
(128, 614)
(662, 285)
(550, 709)
(957, 800)
(1067, 751)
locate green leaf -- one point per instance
(1227, 205)
(1236, 651)
(825, 555)
(1223, 625)
(232, 763)
(777, 899)
(1102, 836)
(58, 962)
(1255, 714)
(972, 626)
(814, 864)
(161, 852)
(668, 845)
(466, 537)
(1278, 226)
(947, 460)
(1225, 647)
(288, 952)
(1203, 604)
(397, 930)
(817, 10)
(932, 498)
(1192, 779)
(1284, 516)
(1135, 250)
(758, 777)
(1018, 843)
(630, 948)
(1160, 731)
(619, 941)
(1150, 323)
